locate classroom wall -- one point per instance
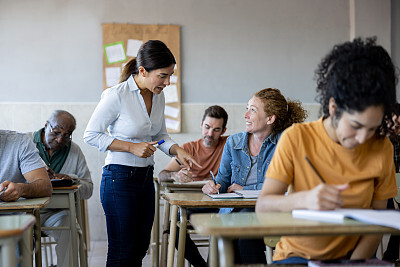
(51, 57)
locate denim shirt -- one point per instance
(236, 162)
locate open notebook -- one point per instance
(237, 194)
(388, 218)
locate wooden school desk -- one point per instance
(16, 229)
(193, 200)
(32, 206)
(168, 187)
(66, 198)
(224, 228)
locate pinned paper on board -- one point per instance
(171, 94)
(172, 124)
(115, 52)
(112, 76)
(132, 47)
(171, 111)
(173, 79)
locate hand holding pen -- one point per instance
(324, 196)
(183, 175)
(215, 182)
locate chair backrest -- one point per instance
(397, 198)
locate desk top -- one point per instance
(65, 187)
(200, 200)
(277, 224)
(12, 225)
(25, 203)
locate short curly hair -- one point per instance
(286, 111)
(357, 75)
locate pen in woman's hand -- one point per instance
(215, 182)
(2, 191)
(315, 170)
(159, 143)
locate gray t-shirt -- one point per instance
(252, 177)
(18, 155)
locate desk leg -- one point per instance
(166, 225)
(156, 227)
(38, 240)
(74, 239)
(172, 236)
(213, 252)
(8, 256)
(25, 247)
(82, 243)
(225, 251)
(182, 238)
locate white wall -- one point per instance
(51, 50)
(51, 57)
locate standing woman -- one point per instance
(133, 114)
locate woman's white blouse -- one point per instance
(123, 113)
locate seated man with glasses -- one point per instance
(64, 160)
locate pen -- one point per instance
(212, 176)
(2, 191)
(178, 162)
(315, 170)
(159, 143)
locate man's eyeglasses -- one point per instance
(65, 137)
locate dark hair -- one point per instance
(287, 111)
(357, 75)
(216, 112)
(152, 55)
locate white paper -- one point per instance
(388, 218)
(171, 111)
(248, 193)
(171, 94)
(173, 79)
(112, 76)
(172, 124)
(133, 47)
(115, 53)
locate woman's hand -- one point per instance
(211, 188)
(142, 150)
(184, 157)
(325, 197)
(234, 187)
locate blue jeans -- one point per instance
(127, 195)
(292, 260)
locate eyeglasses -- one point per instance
(65, 137)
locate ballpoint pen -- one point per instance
(215, 182)
(159, 143)
(315, 170)
(2, 191)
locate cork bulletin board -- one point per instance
(120, 44)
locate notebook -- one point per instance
(237, 194)
(389, 218)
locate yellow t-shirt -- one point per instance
(368, 168)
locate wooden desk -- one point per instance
(226, 227)
(66, 198)
(16, 229)
(193, 200)
(32, 206)
(169, 187)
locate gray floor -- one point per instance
(98, 255)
